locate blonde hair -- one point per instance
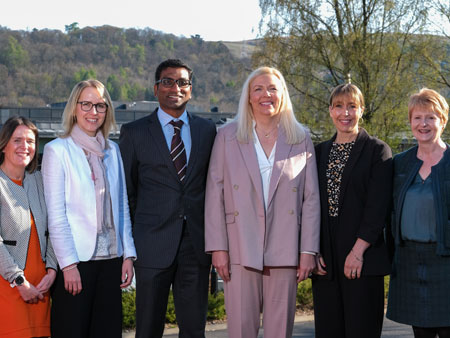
(69, 117)
(347, 89)
(295, 133)
(429, 99)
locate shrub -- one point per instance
(216, 307)
(304, 295)
(128, 309)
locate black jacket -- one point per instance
(406, 167)
(159, 202)
(365, 195)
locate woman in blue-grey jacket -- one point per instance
(419, 293)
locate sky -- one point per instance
(213, 20)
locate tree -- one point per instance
(13, 55)
(73, 27)
(84, 74)
(318, 44)
(438, 53)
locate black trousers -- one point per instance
(346, 308)
(96, 312)
(431, 332)
(189, 281)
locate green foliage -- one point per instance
(129, 309)
(386, 287)
(13, 55)
(213, 100)
(171, 317)
(73, 27)
(319, 44)
(231, 84)
(216, 307)
(304, 295)
(84, 74)
(123, 59)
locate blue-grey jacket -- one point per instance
(16, 204)
(406, 166)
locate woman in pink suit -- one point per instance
(262, 213)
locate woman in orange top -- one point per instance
(27, 261)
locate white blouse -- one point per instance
(265, 165)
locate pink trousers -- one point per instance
(251, 292)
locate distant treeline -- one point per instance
(39, 67)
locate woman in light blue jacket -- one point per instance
(88, 218)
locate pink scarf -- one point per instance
(94, 148)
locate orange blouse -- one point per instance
(19, 319)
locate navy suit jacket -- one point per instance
(159, 202)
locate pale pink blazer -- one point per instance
(235, 220)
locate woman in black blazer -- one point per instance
(355, 172)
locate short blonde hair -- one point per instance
(69, 115)
(295, 132)
(429, 99)
(347, 89)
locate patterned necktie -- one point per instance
(177, 151)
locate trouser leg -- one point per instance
(190, 291)
(243, 302)
(279, 301)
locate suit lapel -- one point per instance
(281, 154)
(158, 137)
(251, 161)
(322, 172)
(195, 141)
(354, 156)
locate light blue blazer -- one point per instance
(70, 197)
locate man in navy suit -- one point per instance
(166, 157)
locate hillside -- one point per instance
(39, 67)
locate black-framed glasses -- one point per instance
(168, 82)
(100, 107)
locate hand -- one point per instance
(72, 279)
(306, 266)
(29, 293)
(46, 281)
(320, 266)
(127, 273)
(221, 261)
(354, 261)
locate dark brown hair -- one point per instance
(8, 130)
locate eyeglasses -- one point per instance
(99, 107)
(168, 82)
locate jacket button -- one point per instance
(236, 213)
(236, 187)
(294, 189)
(180, 216)
(291, 212)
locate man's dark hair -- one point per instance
(172, 63)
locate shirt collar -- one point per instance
(165, 118)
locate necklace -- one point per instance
(266, 135)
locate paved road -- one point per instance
(302, 329)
